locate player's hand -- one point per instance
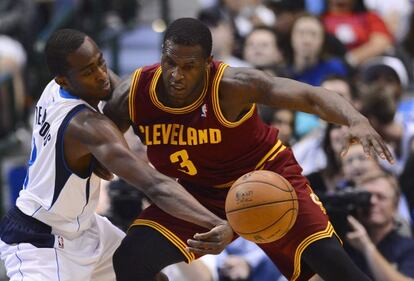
(101, 171)
(370, 140)
(211, 242)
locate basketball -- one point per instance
(261, 206)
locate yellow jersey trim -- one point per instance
(271, 155)
(182, 110)
(216, 101)
(167, 234)
(132, 93)
(327, 232)
(225, 185)
(272, 151)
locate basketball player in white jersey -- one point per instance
(53, 232)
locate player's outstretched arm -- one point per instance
(102, 138)
(256, 86)
(117, 108)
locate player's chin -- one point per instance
(106, 95)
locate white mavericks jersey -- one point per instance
(52, 193)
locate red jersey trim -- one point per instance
(327, 232)
(216, 101)
(167, 234)
(132, 91)
(183, 110)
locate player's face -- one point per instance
(183, 73)
(88, 76)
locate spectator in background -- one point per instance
(376, 247)
(406, 181)
(312, 151)
(329, 178)
(284, 120)
(390, 72)
(249, 13)
(407, 44)
(310, 63)
(244, 16)
(243, 260)
(396, 15)
(286, 12)
(261, 50)
(16, 23)
(379, 106)
(222, 32)
(364, 33)
(357, 166)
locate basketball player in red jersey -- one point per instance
(199, 120)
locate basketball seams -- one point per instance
(264, 182)
(261, 205)
(269, 226)
(248, 207)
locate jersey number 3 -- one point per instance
(186, 164)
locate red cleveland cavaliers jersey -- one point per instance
(196, 143)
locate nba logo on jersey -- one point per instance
(61, 243)
(204, 110)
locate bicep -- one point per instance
(97, 134)
(254, 86)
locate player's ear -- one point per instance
(62, 81)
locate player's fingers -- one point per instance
(201, 252)
(202, 244)
(207, 236)
(366, 146)
(345, 147)
(382, 150)
(197, 246)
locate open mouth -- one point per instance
(106, 86)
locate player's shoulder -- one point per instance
(89, 126)
(86, 120)
(241, 76)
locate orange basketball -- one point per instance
(261, 206)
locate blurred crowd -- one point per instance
(361, 49)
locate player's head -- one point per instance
(189, 32)
(186, 56)
(77, 64)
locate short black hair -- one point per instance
(60, 44)
(189, 32)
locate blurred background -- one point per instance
(362, 49)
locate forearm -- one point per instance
(332, 107)
(381, 269)
(163, 191)
(298, 96)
